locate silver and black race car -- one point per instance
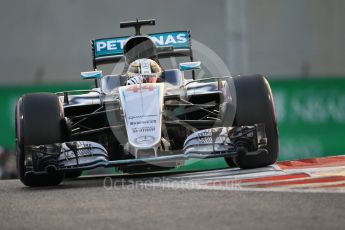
(145, 125)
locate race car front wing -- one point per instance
(203, 144)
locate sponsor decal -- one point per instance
(141, 116)
(145, 66)
(114, 46)
(136, 88)
(144, 139)
(143, 122)
(143, 129)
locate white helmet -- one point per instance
(143, 71)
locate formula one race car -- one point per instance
(145, 117)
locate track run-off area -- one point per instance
(293, 194)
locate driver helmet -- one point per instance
(143, 71)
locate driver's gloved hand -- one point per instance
(135, 80)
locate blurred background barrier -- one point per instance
(46, 41)
(311, 117)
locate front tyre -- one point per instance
(255, 105)
(39, 121)
(73, 174)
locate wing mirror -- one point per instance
(190, 66)
(97, 74)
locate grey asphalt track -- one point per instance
(87, 204)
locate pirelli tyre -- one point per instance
(255, 105)
(39, 120)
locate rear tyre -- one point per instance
(255, 105)
(39, 121)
